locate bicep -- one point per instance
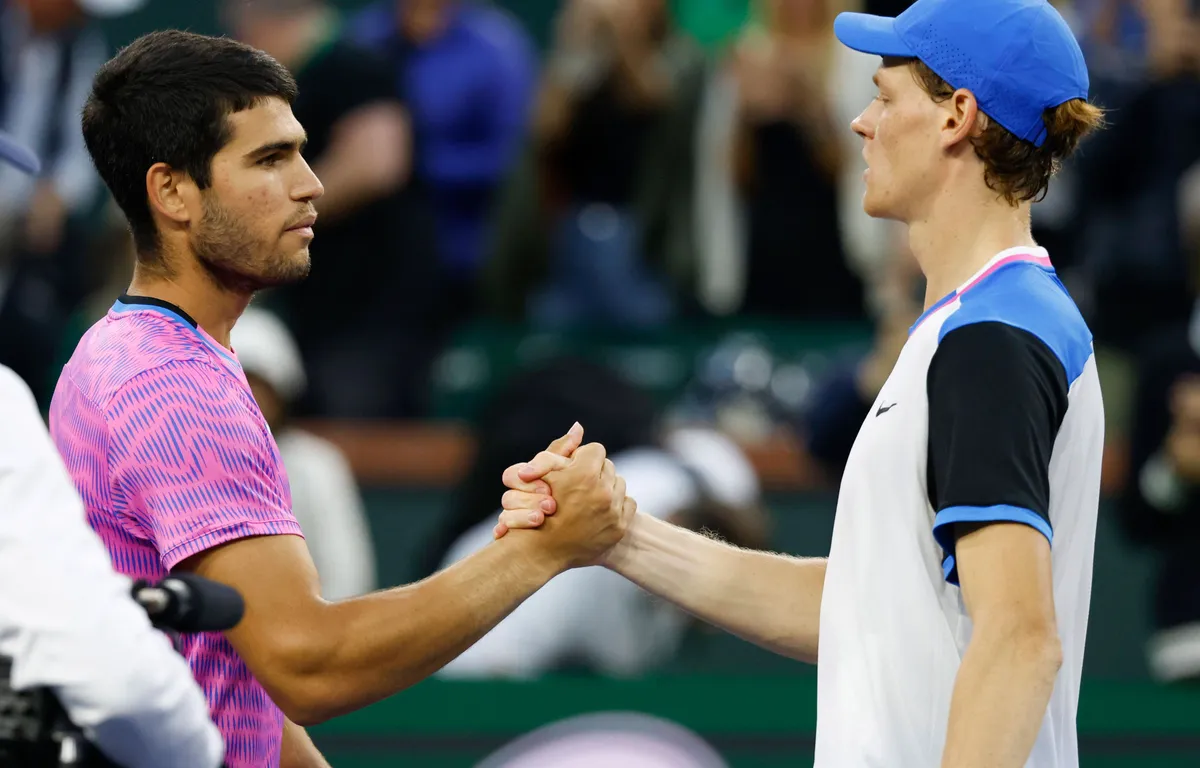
(1005, 575)
(278, 636)
(194, 467)
(997, 396)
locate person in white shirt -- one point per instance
(946, 632)
(67, 621)
(325, 495)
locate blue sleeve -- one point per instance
(997, 396)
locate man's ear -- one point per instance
(961, 118)
(170, 193)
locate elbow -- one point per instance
(1039, 643)
(1050, 652)
(296, 673)
(1032, 644)
(308, 701)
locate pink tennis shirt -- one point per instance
(172, 456)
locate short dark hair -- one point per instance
(1016, 169)
(167, 98)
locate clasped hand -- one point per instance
(573, 490)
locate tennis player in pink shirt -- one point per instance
(196, 139)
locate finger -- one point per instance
(608, 473)
(541, 465)
(514, 519)
(512, 479)
(589, 460)
(618, 494)
(499, 531)
(628, 509)
(566, 445)
(521, 500)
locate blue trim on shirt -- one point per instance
(936, 306)
(120, 306)
(1030, 297)
(948, 570)
(995, 514)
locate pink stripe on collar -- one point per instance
(1041, 261)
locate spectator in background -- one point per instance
(367, 354)
(49, 51)
(325, 496)
(1145, 63)
(785, 150)
(599, 213)
(467, 71)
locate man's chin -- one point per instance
(294, 273)
(281, 274)
(875, 208)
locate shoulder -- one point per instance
(1028, 298)
(497, 30)
(372, 26)
(122, 348)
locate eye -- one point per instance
(270, 160)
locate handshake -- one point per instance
(573, 494)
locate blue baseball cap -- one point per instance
(17, 154)
(1018, 57)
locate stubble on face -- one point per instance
(238, 259)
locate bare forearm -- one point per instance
(1000, 699)
(767, 599)
(387, 641)
(298, 751)
(347, 188)
(370, 155)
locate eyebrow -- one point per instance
(296, 145)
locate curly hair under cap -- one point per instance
(1017, 169)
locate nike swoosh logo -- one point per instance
(884, 409)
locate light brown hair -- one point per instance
(1017, 169)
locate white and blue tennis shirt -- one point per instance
(992, 413)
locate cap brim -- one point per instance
(18, 155)
(870, 34)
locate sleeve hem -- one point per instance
(218, 536)
(993, 514)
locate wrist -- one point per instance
(622, 554)
(537, 557)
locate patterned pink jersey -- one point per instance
(161, 435)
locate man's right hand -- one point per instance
(592, 510)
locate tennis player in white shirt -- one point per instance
(951, 614)
(67, 620)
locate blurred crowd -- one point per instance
(661, 162)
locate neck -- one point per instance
(214, 308)
(961, 234)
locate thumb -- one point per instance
(566, 445)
